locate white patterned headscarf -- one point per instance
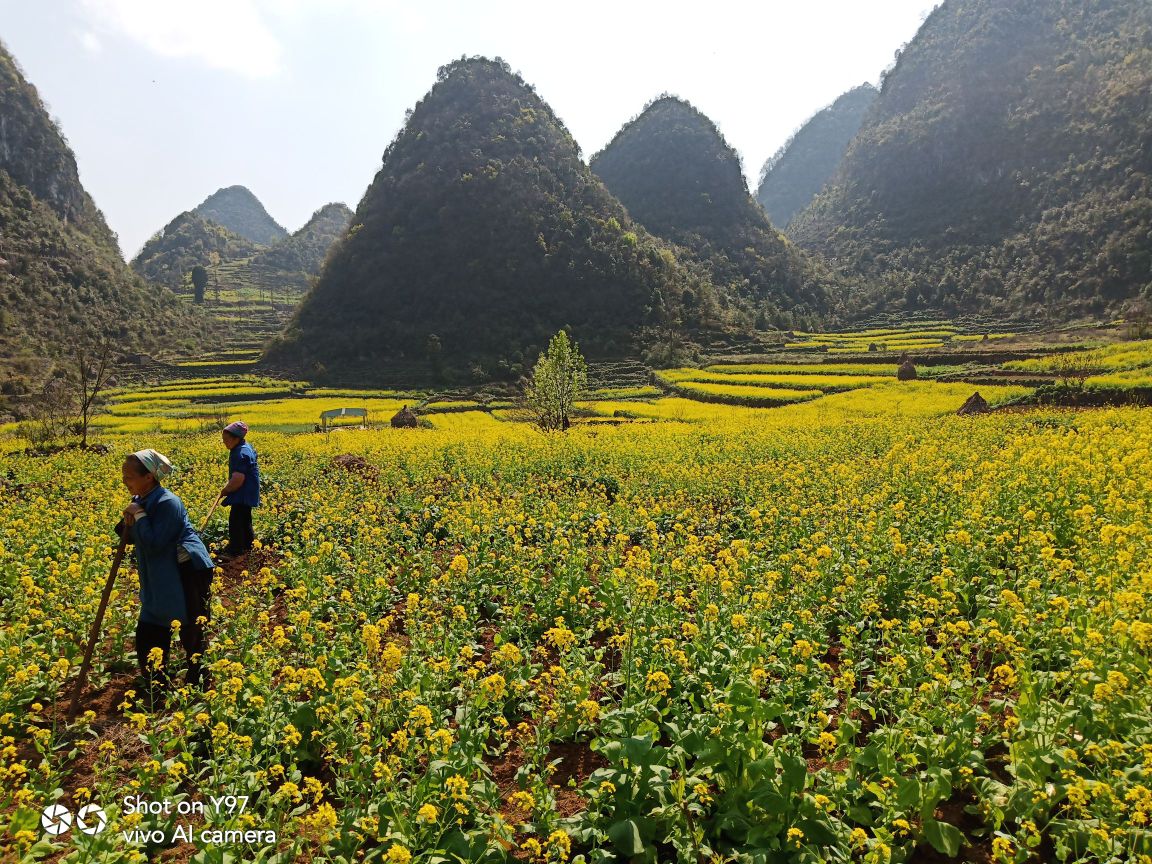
(156, 463)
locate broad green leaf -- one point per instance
(818, 831)
(907, 792)
(795, 771)
(945, 839)
(636, 748)
(626, 837)
(24, 819)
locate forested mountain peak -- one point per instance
(238, 210)
(1006, 165)
(188, 241)
(679, 178)
(792, 177)
(306, 249)
(485, 229)
(332, 212)
(192, 240)
(671, 167)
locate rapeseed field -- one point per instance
(853, 629)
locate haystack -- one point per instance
(906, 371)
(976, 404)
(405, 418)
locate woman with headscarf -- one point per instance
(174, 566)
(242, 491)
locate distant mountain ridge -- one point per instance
(482, 234)
(1005, 167)
(238, 210)
(678, 177)
(305, 249)
(188, 241)
(794, 175)
(62, 278)
(192, 240)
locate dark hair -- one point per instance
(138, 466)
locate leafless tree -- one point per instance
(93, 365)
(1138, 315)
(51, 411)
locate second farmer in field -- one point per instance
(242, 491)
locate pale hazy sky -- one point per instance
(165, 101)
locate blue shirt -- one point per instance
(156, 536)
(242, 458)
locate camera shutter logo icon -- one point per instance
(91, 819)
(56, 819)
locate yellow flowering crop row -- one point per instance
(780, 380)
(1119, 357)
(1141, 377)
(867, 369)
(191, 364)
(743, 393)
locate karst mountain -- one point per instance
(483, 234)
(1005, 168)
(238, 210)
(679, 178)
(191, 240)
(793, 176)
(62, 277)
(304, 251)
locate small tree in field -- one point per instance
(556, 383)
(1072, 370)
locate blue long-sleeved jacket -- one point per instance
(156, 536)
(242, 459)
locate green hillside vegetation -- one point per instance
(485, 230)
(238, 266)
(1006, 165)
(241, 212)
(794, 175)
(681, 180)
(305, 250)
(62, 278)
(252, 289)
(185, 242)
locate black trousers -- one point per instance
(240, 535)
(197, 586)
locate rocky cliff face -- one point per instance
(35, 155)
(63, 279)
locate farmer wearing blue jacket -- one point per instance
(174, 566)
(242, 491)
